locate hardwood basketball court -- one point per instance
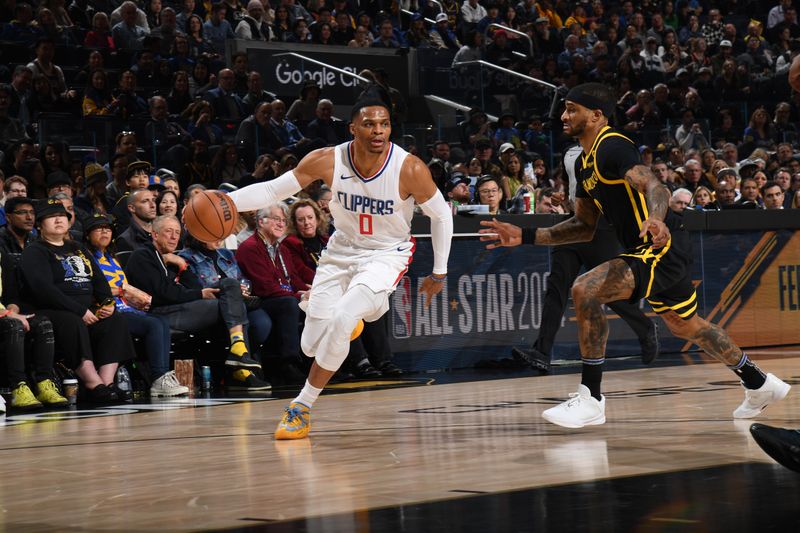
(463, 456)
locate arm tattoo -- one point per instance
(579, 228)
(657, 195)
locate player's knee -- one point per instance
(581, 293)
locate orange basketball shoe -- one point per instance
(295, 424)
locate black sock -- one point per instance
(749, 373)
(592, 375)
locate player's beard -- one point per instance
(577, 130)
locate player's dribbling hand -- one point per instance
(430, 288)
(499, 234)
(659, 232)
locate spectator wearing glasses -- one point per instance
(278, 278)
(156, 270)
(132, 304)
(226, 103)
(490, 193)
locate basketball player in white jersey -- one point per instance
(375, 184)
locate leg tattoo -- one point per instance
(717, 343)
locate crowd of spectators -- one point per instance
(92, 244)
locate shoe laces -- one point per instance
(172, 379)
(575, 400)
(294, 413)
(47, 386)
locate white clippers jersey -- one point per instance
(368, 210)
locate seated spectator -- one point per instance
(43, 65)
(758, 133)
(167, 31)
(198, 168)
(680, 200)
(137, 176)
(158, 271)
(324, 125)
(59, 182)
(211, 264)
(15, 156)
(546, 202)
(167, 204)
(167, 139)
(227, 166)
(472, 49)
(701, 198)
(490, 193)
(23, 29)
(343, 32)
(199, 45)
(278, 278)
(142, 210)
(287, 132)
(15, 186)
(303, 109)
(255, 136)
(17, 234)
(129, 33)
(255, 92)
(441, 36)
(11, 128)
(516, 183)
(386, 37)
(94, 199)
(100, 37)
(129, 103)
(749, 193)
(20, 87)
(17, 331)
(217, 29)
(300, 32)
(201, 124)
(773, 195)
(60, 33)
(180, 55)
(97, 99)
(417, 35)
(33, 171)
(689, 134)
(132, 304)
(60, 281)
(226, 103)
(457, 189)
(322, 33)
(725, 191)
(362, 38)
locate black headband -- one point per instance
(581, 97)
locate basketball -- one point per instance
(210, 216)
(357, 330)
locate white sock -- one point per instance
(308, 395)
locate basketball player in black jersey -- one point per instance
(656, 264)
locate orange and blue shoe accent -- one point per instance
(295, 424)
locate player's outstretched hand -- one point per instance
(499, 234)
(430, 288)
(659, 232)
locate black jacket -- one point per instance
(146, 271)
(128, 241)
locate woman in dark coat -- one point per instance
(61, 281)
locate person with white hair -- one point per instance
(253, 27)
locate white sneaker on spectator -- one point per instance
(580, 410)
(2, 405)
(756, 400)
(168, 385)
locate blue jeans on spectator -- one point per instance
(155, 332)
(260, 328)
(285, 314)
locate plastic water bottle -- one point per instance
(123, 379)
(206, 372)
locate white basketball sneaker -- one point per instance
(2, 405)
(756, 400)
(580, 410)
